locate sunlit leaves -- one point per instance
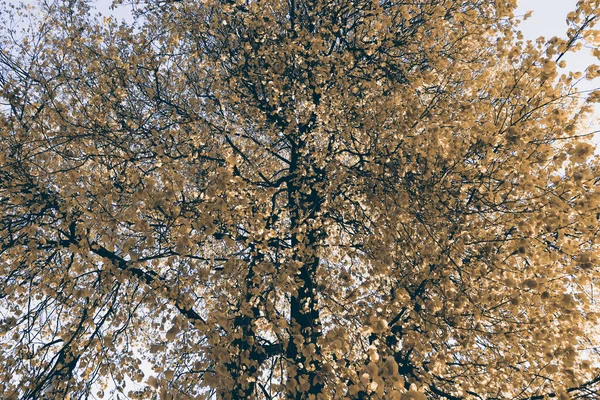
(278, 199)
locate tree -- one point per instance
(297, 199)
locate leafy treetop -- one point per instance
(295, 199)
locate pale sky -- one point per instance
(548, 20)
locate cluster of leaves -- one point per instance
(299, 199)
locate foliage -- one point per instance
(298, 199)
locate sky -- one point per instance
(549, 19)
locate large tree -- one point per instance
(295, 199)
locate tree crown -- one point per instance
(297, 199)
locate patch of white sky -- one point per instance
(121, 12)
(548, 19)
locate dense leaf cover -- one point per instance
(296, 199)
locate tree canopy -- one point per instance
(296, 199)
